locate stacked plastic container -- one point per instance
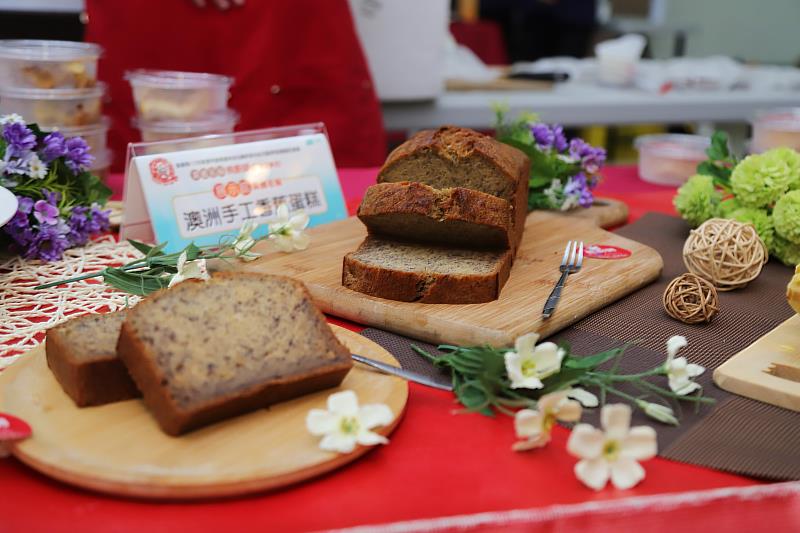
(175, 105)
(54, 83)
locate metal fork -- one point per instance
(571, 263)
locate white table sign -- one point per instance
(202, 193)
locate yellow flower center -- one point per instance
(349, 425)
(548, 422)
(528, 368)
(611, 450)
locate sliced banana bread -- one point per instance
(456, 216)
(82, 354)
(459, 157)
(411, 272)
(204, 351)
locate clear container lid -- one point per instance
(173, 79)
(81, 131)
(35, 50)
(675, 145)
(98, 91)
(211, 122)
(782, 118)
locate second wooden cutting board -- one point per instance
(519, 309)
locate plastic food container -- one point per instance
(172, 95)
(670, 159)
(56, 107)
(102, 164)
(48, 64)
(164, 130)
(776, 128)
(95, 135)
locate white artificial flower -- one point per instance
(288, 232)
(586, 398)
(345, 424)
(189, 269)
(534, 426)
(37, 169)
(657, 411)
(529, 364)
(679, 371)
(244, 242)
(11, 118)
(613, 452)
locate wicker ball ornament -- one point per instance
(728, 253)
(691, 299)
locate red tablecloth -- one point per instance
(438, 464)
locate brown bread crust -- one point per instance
(425, 287)
(175, 420)
(88, 382)
(454, 216)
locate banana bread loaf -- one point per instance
(459, 157)
(412, 272)
(82, 354)
(205, 351)
(457, 216)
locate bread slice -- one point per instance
(457, 216)
(451, 157)
(82, 354)
(412, 272)
(205, 351)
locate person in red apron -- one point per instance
(293, 62)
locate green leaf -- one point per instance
(593, 361)
(132, 282)
(142, 247)
(718, 150)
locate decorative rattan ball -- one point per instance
(727, 253)
(691, 299)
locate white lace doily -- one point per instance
(25, 313)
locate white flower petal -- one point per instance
(626, 473)
(338, 442)
(569, 411)
(674, 344)
(684, 386)
(320, 422)
(344, 403)
(282, 214)
(616, 420)
(593, 473)
(585, 442)
(550, 402)
(299, 221)
(548, 357)
(375, 415)
(181, 261)
(370, 438)
(300, 241)
(282, 242)
(529, 444)
(586, 398)
(527, 383)
(640, 444)
(528, 423)
(526, 343)
(694, 370)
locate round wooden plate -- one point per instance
(119, 449)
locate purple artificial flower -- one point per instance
(580, 187)
(45, 212)
(99, 219)
(78, 156)
(52, 197)
(16, 166)
(542, 135)
(78, 226)
(591, 158)
(25, 204)
(559, 139)
(54, 147)
(49, 244)
(20, 139)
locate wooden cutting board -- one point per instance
(768, 370)
(518, 311)
(266, 449)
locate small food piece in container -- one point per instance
(172, 95)
(776, 128)
(48, 64)
(95, 135)
(102, 163)
(56, 107)
(167, 130)
(670, 159)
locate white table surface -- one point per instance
(578, 104)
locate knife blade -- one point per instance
(407, 375)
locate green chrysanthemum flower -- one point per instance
(786, 251)
(786, 216)
(726, 207)
(792, 160)
(760, 219)
(697, 200)
(759, 180)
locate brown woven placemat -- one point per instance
(736, 434)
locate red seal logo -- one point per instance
(219, 191)
(604, 251)
(162, 171)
